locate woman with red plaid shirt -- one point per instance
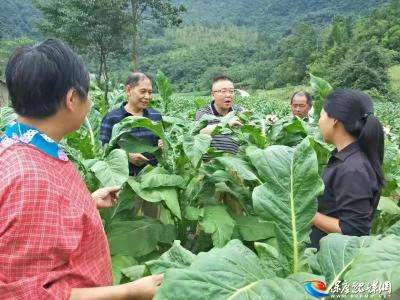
(52, 243)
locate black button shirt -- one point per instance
(351, 193)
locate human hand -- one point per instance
(271, 119)
(106, 197)
(146, 287)
(235, 121)
(137, 159)
(161, 144)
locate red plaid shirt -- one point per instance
(51, 235)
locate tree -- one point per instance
(7, 47)
(96, 28)
(365, 69)
(163, 12)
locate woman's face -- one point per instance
(139, 96)
(326, 126)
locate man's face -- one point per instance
(139, 96)
(300, 107)
(223, 93)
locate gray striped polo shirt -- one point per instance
(223, 142)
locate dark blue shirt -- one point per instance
(117, 116)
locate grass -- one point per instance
(394, 75)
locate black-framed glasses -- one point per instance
(225, 91)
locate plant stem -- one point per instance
(90, 130)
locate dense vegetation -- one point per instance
(232, 228)
(264, 45)
(234, 215)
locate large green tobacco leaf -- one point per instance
(289, 131)
(135, 272)
(175, 257)
(198, 189)
(255, 134)
(133, 144)
(164, 89)
(337, 253)
(388, 206)
(218, 223)
(271, 258)
(379, 262)
(120, 262)
(151, 180)
(286, 197)
(127, 124)
(323, 152)
(123, 211)
(394, 229)
(238, 165)
(231, 273)
(251, 228)
(320, 90)
(134, 238)
(157, 194)
(196, 146)
(113, 170)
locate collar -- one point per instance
(347, 151)
(125, 113)
(214, 110)
(19, 133)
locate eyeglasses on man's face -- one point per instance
(225, 91)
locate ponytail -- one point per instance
(372, 141)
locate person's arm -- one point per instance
(326, 224)
(106, 197)
(208, 129)
(142, 289)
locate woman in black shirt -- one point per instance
(354, 175)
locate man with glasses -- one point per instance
(223, 97)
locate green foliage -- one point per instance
(6, 116)
(113, 170)
(164, 89)
(7, 47)
(96, 28)
(245, 277)
(364, 69)
(263, 45)
(17, 19)
(320, 90)
(261, 195)
(285, 193)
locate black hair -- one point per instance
(39, 77)
(220, 78)
(356, 112)
(303, 93)
(134, 78)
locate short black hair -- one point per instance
(220, 78)
(134, 78)
(39, 77)
(303, 93)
